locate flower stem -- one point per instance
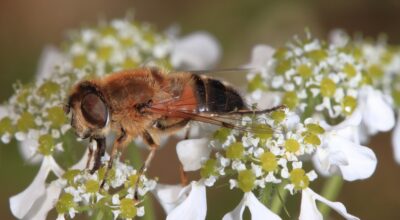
(330, 191)
(265, 195)
(99, 215)
(279, 200)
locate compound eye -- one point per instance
(94, 110)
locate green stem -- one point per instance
(330, 191)
(265, 195)
(99, 215)
(279, 199)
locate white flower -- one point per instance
(22, 203)
(40, 210)
(28, 147)
(309, 209)
(261, 55)
(196, 51)
(257, 209)
(191, 152)
(396, 140)
(40, 200)
(342, 152)
(183, 203)
(377, 114)
(50, 58)
(265, 100)
(169, 196)
(338, 37)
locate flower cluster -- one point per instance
(341, 83)
(269, 155)
(82, 192)
(314, 77)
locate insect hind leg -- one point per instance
(263, 111)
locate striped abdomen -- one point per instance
(213, 96)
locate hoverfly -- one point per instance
(147, 102)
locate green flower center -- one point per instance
(246, 180)
(128, 208)
(299, 179)
(328, 87)
(348, 105)
(268, 161)
(208, 168)
(292, 145)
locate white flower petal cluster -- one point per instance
(304, 70)
(24, 202)
(341, 151)
(269, 155)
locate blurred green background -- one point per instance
(27, 26)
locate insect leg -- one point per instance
(100, 151)
(90, 154)
(263, 111)
(183, 173)
(153, 147)
(117, 144)
(171, 125)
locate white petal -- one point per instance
(81, 164)
(3, 111)
(194, 206)
(199, 130)
(237, 213)
(191, 152)
(322, 163)
(309, 209)
(338, 37)
(354, 161)
(198, 51)
(169, 196)
(21, 203)
(28, 150)
(51, 197)
(396, 140)
(57, 170)
(377, 113)
(265, 99)
(49, 58)
(352, 121)
(257, 209)
(260, 56)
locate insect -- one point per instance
(147, 103)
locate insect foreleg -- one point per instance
(100, 151)
(90, 154)
(118, 143)
(153, 145)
